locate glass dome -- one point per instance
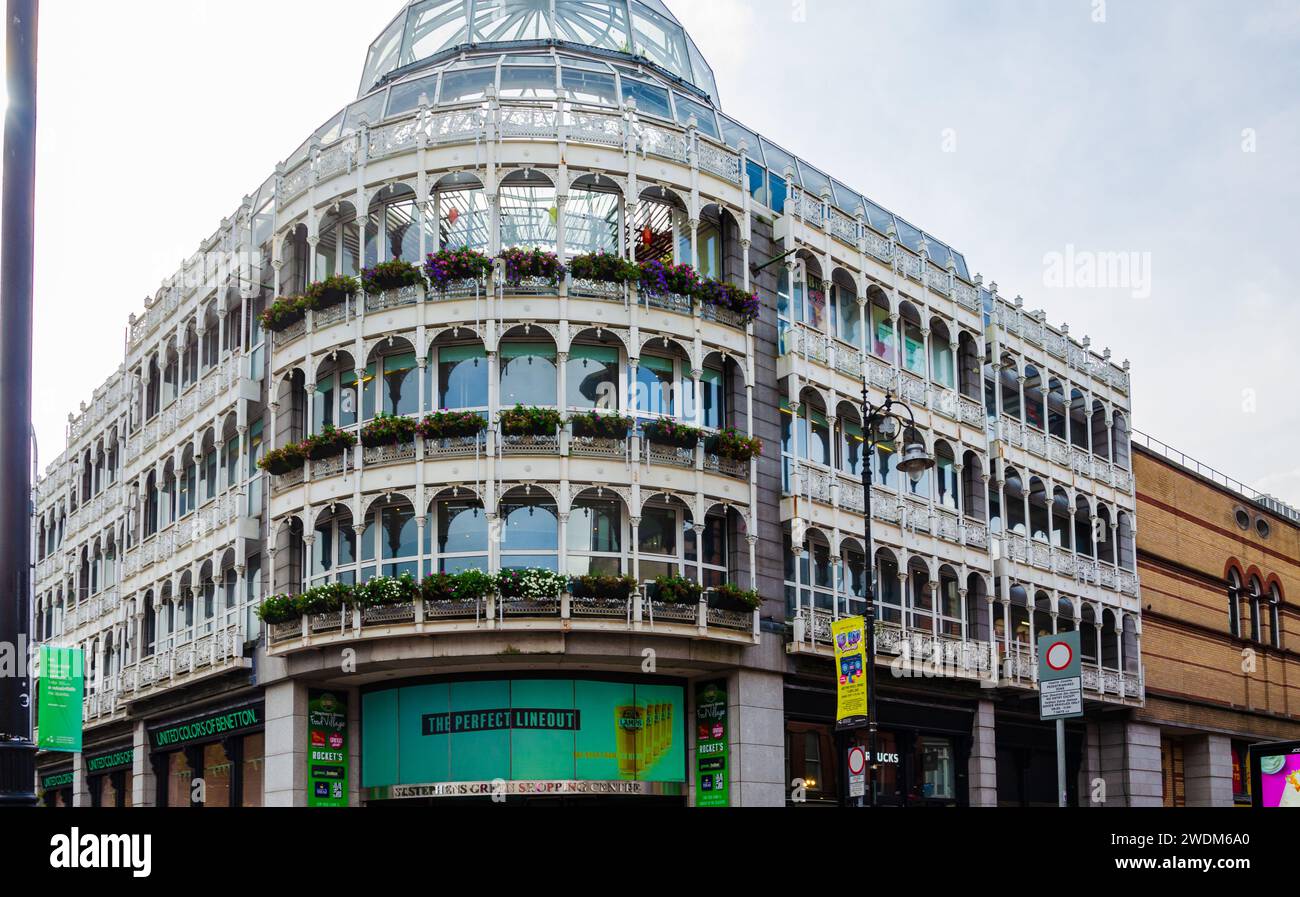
(426, 29)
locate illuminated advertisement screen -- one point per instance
(1275, 770)
(557, 735)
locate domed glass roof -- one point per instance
(426, 29)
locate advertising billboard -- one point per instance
(1275, 774)
(523, 736)
(58, 699)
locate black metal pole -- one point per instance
(17, 753)
(870, 443)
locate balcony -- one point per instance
(911, 655)
(1082, 569)
(698, 622)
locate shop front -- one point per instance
(109, 777)
(214, 759)
(922, 750)
(56, 788)
(525, 739)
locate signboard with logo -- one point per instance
(58, 700)
(111, 761)
(214, 726)
(1060, 676)
(327, 749)
(849, 636)
(523, 736)
(712, 745)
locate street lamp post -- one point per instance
(881, 423)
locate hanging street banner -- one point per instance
(1060, 676)
(850, 640)
(712, 740)
(327, 749)
(58, 700)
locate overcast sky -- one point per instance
(1012, 129)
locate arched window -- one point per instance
(1234, 603)
(1275, 616)
(528, 211)
(1100, 431)
(889, 593)
(942, 368)
(530, 534)
(1105, 536)
(848, 321)
(1056, 409)
(1014, 501)
(1034, 398)
(333, 552)
(882, 327)
(1010, 380)
(1083, 541)
(1065, 621)
(948, 605)
(947, 488)
(594, 536)
(1127, 542)
(973, 493)
(1079, 426)
(1061, 527)
(1256, 593)
(852, 446)
(456, 534)
(913, 340)
(1123, 453)
(920, 596)
(969, 363)
(1040, 521)
(461, 210)
(592, 216)
(528, 374)
(390, 544)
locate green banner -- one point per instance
(58, 701)
(57, 780)
(327, 749)
(712, 745)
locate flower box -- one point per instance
(454, 265)
(451, 425)
(671, 433)
(331, 291)
(329, 443)
(604, 267)
(601, 426)
(733, 598)
(530, 585)
(387, 430)
(519, 265)
(602, 588)
(521, 421)
(278, 462)
(678, 590)
(733, 445)
(391, 275)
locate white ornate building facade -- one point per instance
(582, 127)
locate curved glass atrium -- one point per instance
(426, 29)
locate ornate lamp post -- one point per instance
(883, 423)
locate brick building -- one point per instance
(1220, 572)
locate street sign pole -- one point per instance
(1060, 763)
(1060, 694)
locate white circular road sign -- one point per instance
(1059, 656)
(857, 761)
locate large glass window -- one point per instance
(592, 377)
(528, 375)
(594, 538)
(528, 216)
(655, 386)
(461, 531)
(400, 384)
(712, 408)
(333, 552)
(530, 533)
(463, 219)
(591, 220)
(462, 377)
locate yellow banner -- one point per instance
(850, 640)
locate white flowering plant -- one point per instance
(531, 585)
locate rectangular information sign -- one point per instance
(1060, 676)
(327, 749)
(59, 697)
(851, 672)
(712, 745)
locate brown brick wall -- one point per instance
(1196, 673)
